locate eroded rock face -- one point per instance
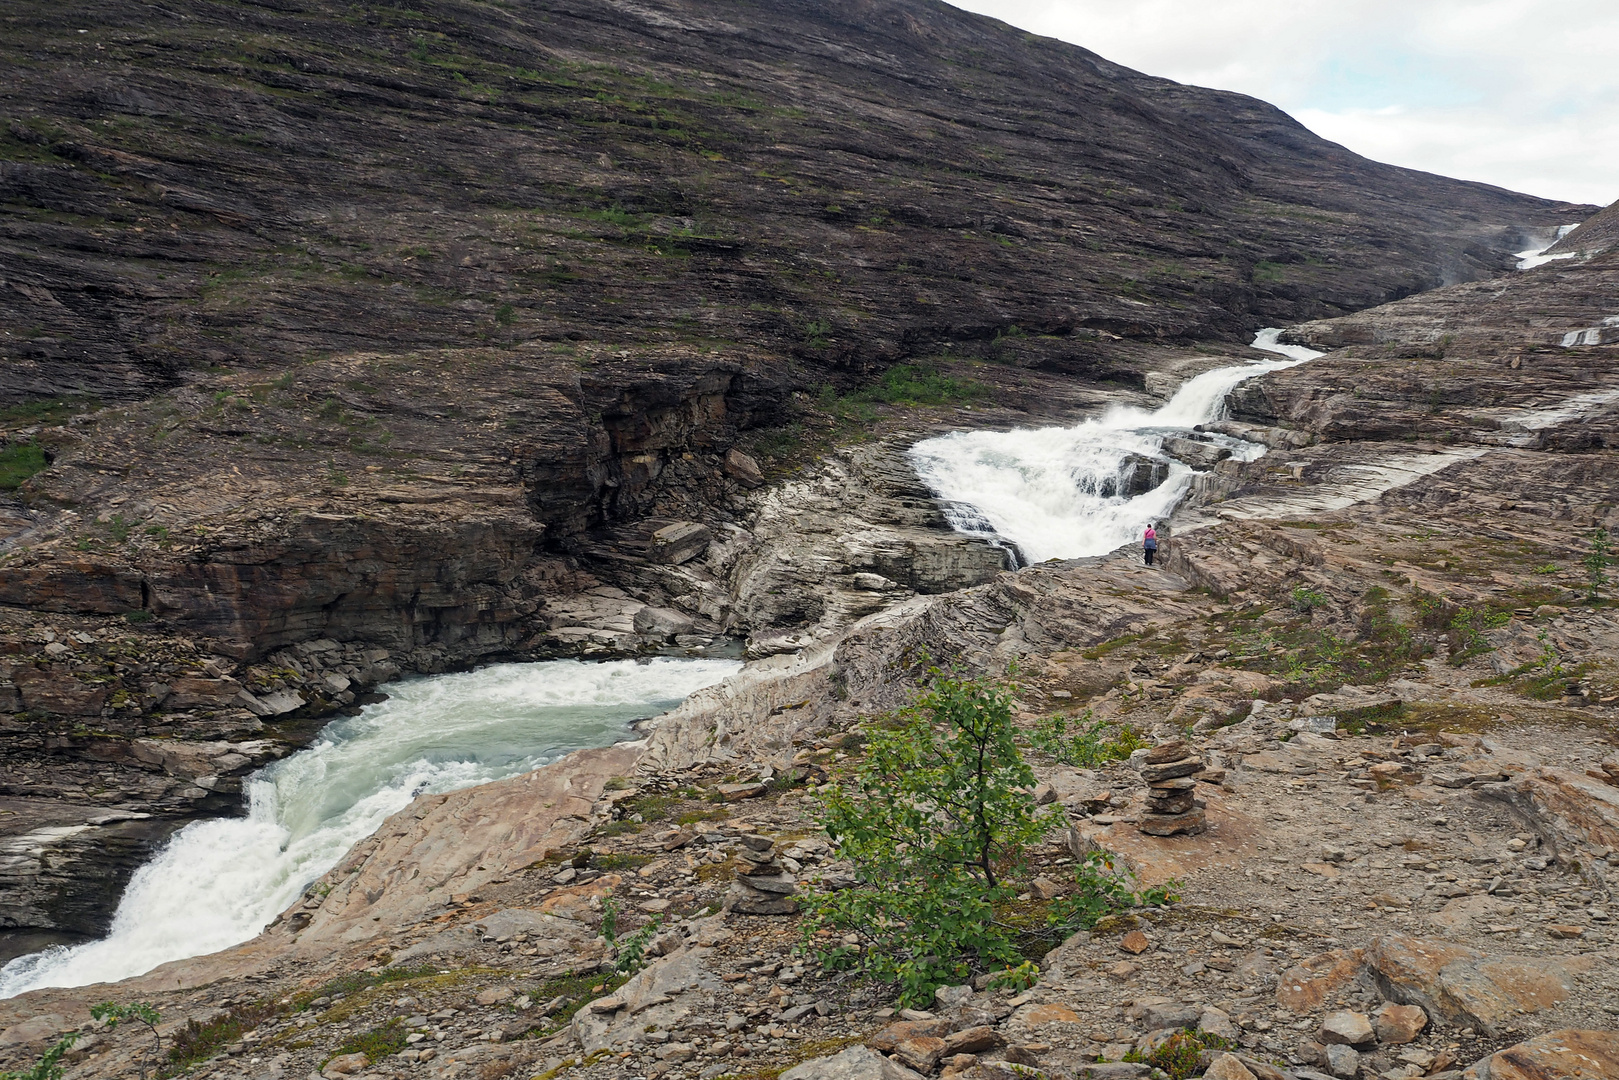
(1556, 1055)
(376, 437)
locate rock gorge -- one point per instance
(364, 341)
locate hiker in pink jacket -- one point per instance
(1149, 543)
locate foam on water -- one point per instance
(220, 882)
(1054, 492)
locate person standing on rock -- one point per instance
(1149, 543)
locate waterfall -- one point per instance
(1069, 492)
(218, 883)
(1533, 257)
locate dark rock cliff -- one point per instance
(395, 305)
(849, 183)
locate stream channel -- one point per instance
(1057, 492)
(1065, 492)
(218, 883)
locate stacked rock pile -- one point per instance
(763, 886)
(1172, 806)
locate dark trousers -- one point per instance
(1150, 553)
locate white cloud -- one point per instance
(1520, 93)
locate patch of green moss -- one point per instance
(18, 462)
(375, 1044)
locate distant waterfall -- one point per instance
(1065, 493)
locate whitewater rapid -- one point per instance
(1533, 257)
(218, 883)
(1054, 492)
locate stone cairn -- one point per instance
(763, 886)
(1172, 807)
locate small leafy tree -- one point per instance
(1596, 563)
(49, 1066)
(935, 820)
(113, 1014)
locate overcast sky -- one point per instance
(1520, 93)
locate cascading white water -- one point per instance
(1061, 493)
(218, 883)
(1533, 257)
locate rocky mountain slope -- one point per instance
(350, 341)
(342, 341)
(1379, 637)
(418, 282)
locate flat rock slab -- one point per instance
(1467, 987)
(1571, 1054)
(855, 1063)
(1308, 985)
(653, 997)
(1571, 810)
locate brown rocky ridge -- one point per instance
(1382, 653)
(499, 366)
(445, 335)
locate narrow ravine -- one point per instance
(1072, 492)
(218, 883)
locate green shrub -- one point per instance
(1306, 600)
(920, 384)
(112, 1014)
(631, 948)
(18, 462)
(48, 410)
(1596, 563)
(935, 820)
(363, 980)
(375, 1044)
(48, 1067)
(201, 1041)
(1178, 1055)
(1101, 890)
(1083, 741)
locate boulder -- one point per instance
(1227, 1067)
(1468, 987)
(855, 1063)
(973, 1040)
(1343, 1061)
(1167, 1015)
(1218, 1022)
(1346, 1028)
(346, 1065)
(662, 622)
(679, 543)
(743, 469)
(891, 1036)
(1397, 1024)
(1305, 987)
(921, 1053)
(1194, 452)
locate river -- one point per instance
(1055, 492)
(218, 883)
